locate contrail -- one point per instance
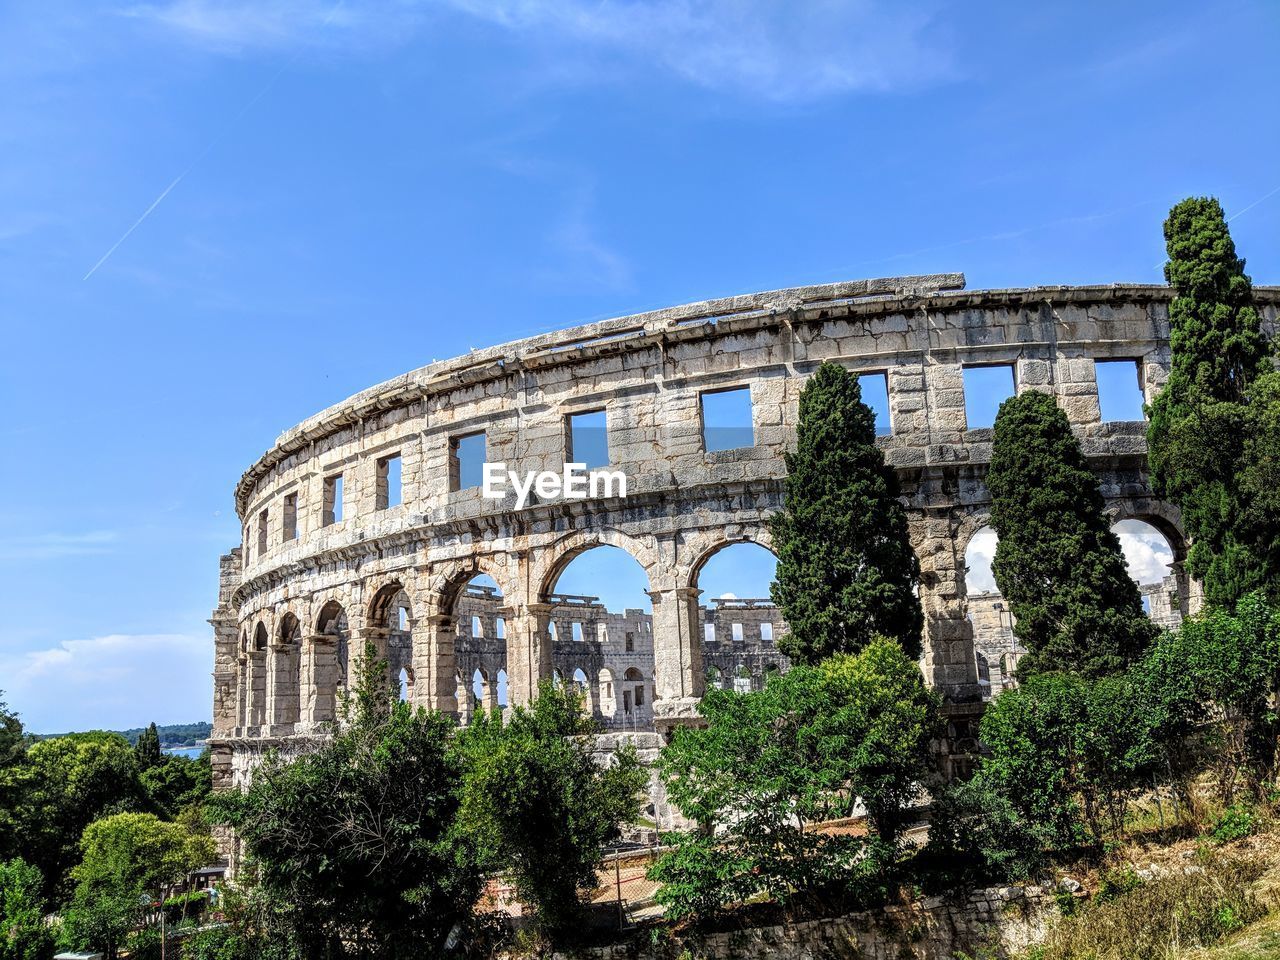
(1254, 204)
(211, 144)
(137, 223)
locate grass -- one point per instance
(1163, 917)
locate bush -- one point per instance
(23, 935)
(538, 805)
(771, 765)
(1157, 919)
(1234, 823)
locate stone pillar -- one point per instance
(322, 680)
(678, 675)
(528, 653)
(435, 679)
(950, 664)
(282, 689)
(256, 667)
(375, 637)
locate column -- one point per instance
(528, 652)
(678, 677)
(256, 664)
(321, 680)
(435, 681)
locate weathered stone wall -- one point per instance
(296, 612)
(998, 923)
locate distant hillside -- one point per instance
(171, 734)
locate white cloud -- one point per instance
(728, 596)
(1146, 551)
(977, 557)
(115, 681)
(52, 546)
(773, 49)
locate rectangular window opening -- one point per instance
(333, 499)
(985, 388)
(737, 633)
(477, 629)
(1119, 390)
(766, 632)
(261, 534)
(577, 632)
(726, 419)
(390, 491)
(500, 628)
(466, 461)
(290, 519)
(639, 696)
(875, 394)
(588, 439)
(631, 642)
(709, 633)
(404, 618)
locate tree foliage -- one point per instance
(23, 933)
(846, 571)
(147, 749)
(359, 842)
(1057, 563)
(1213, 423)
(1067, 754)
(60, 787)
(538, 803)
(127, 862)
(770, 764)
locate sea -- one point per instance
(189, 752)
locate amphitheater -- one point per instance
(336, 554)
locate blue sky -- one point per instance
(324, 195)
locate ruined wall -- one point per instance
(311, 589)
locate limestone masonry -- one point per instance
(332, 558)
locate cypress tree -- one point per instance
(1058, 564)
(147, 749)
(1200, 423)
(846, 570)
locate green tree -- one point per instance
(1068, 754)
(147, 749)
(10, 736)
(540, 806)
(1198, 435)
(60, 787)
(358, 844)
(846, 570)
(177, 783)
(23, 934)
(128, 859)
(769, 765)
(1208, 692)
(1057, 563)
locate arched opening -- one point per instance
(599, 624)
(715, 678)
(993, 641)
(258, 677)
(742, 680)
(637, 699)
(738, 620)
(391, 611)
(583, 688)
(1151, 559)
(406, 684)
(286, 669)
(480, 646)
(331, 660)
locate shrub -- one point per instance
(1234, 823)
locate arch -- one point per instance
(756, 537)
(500, 688)
(583, 686)
(331, 618)
(715, 679)
(260, 636)
(330, 661)
(290, 631)
(979, 551)
(383, 605)
(444, 588)
(558, 556)
(1164, 517)
(406, 684)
